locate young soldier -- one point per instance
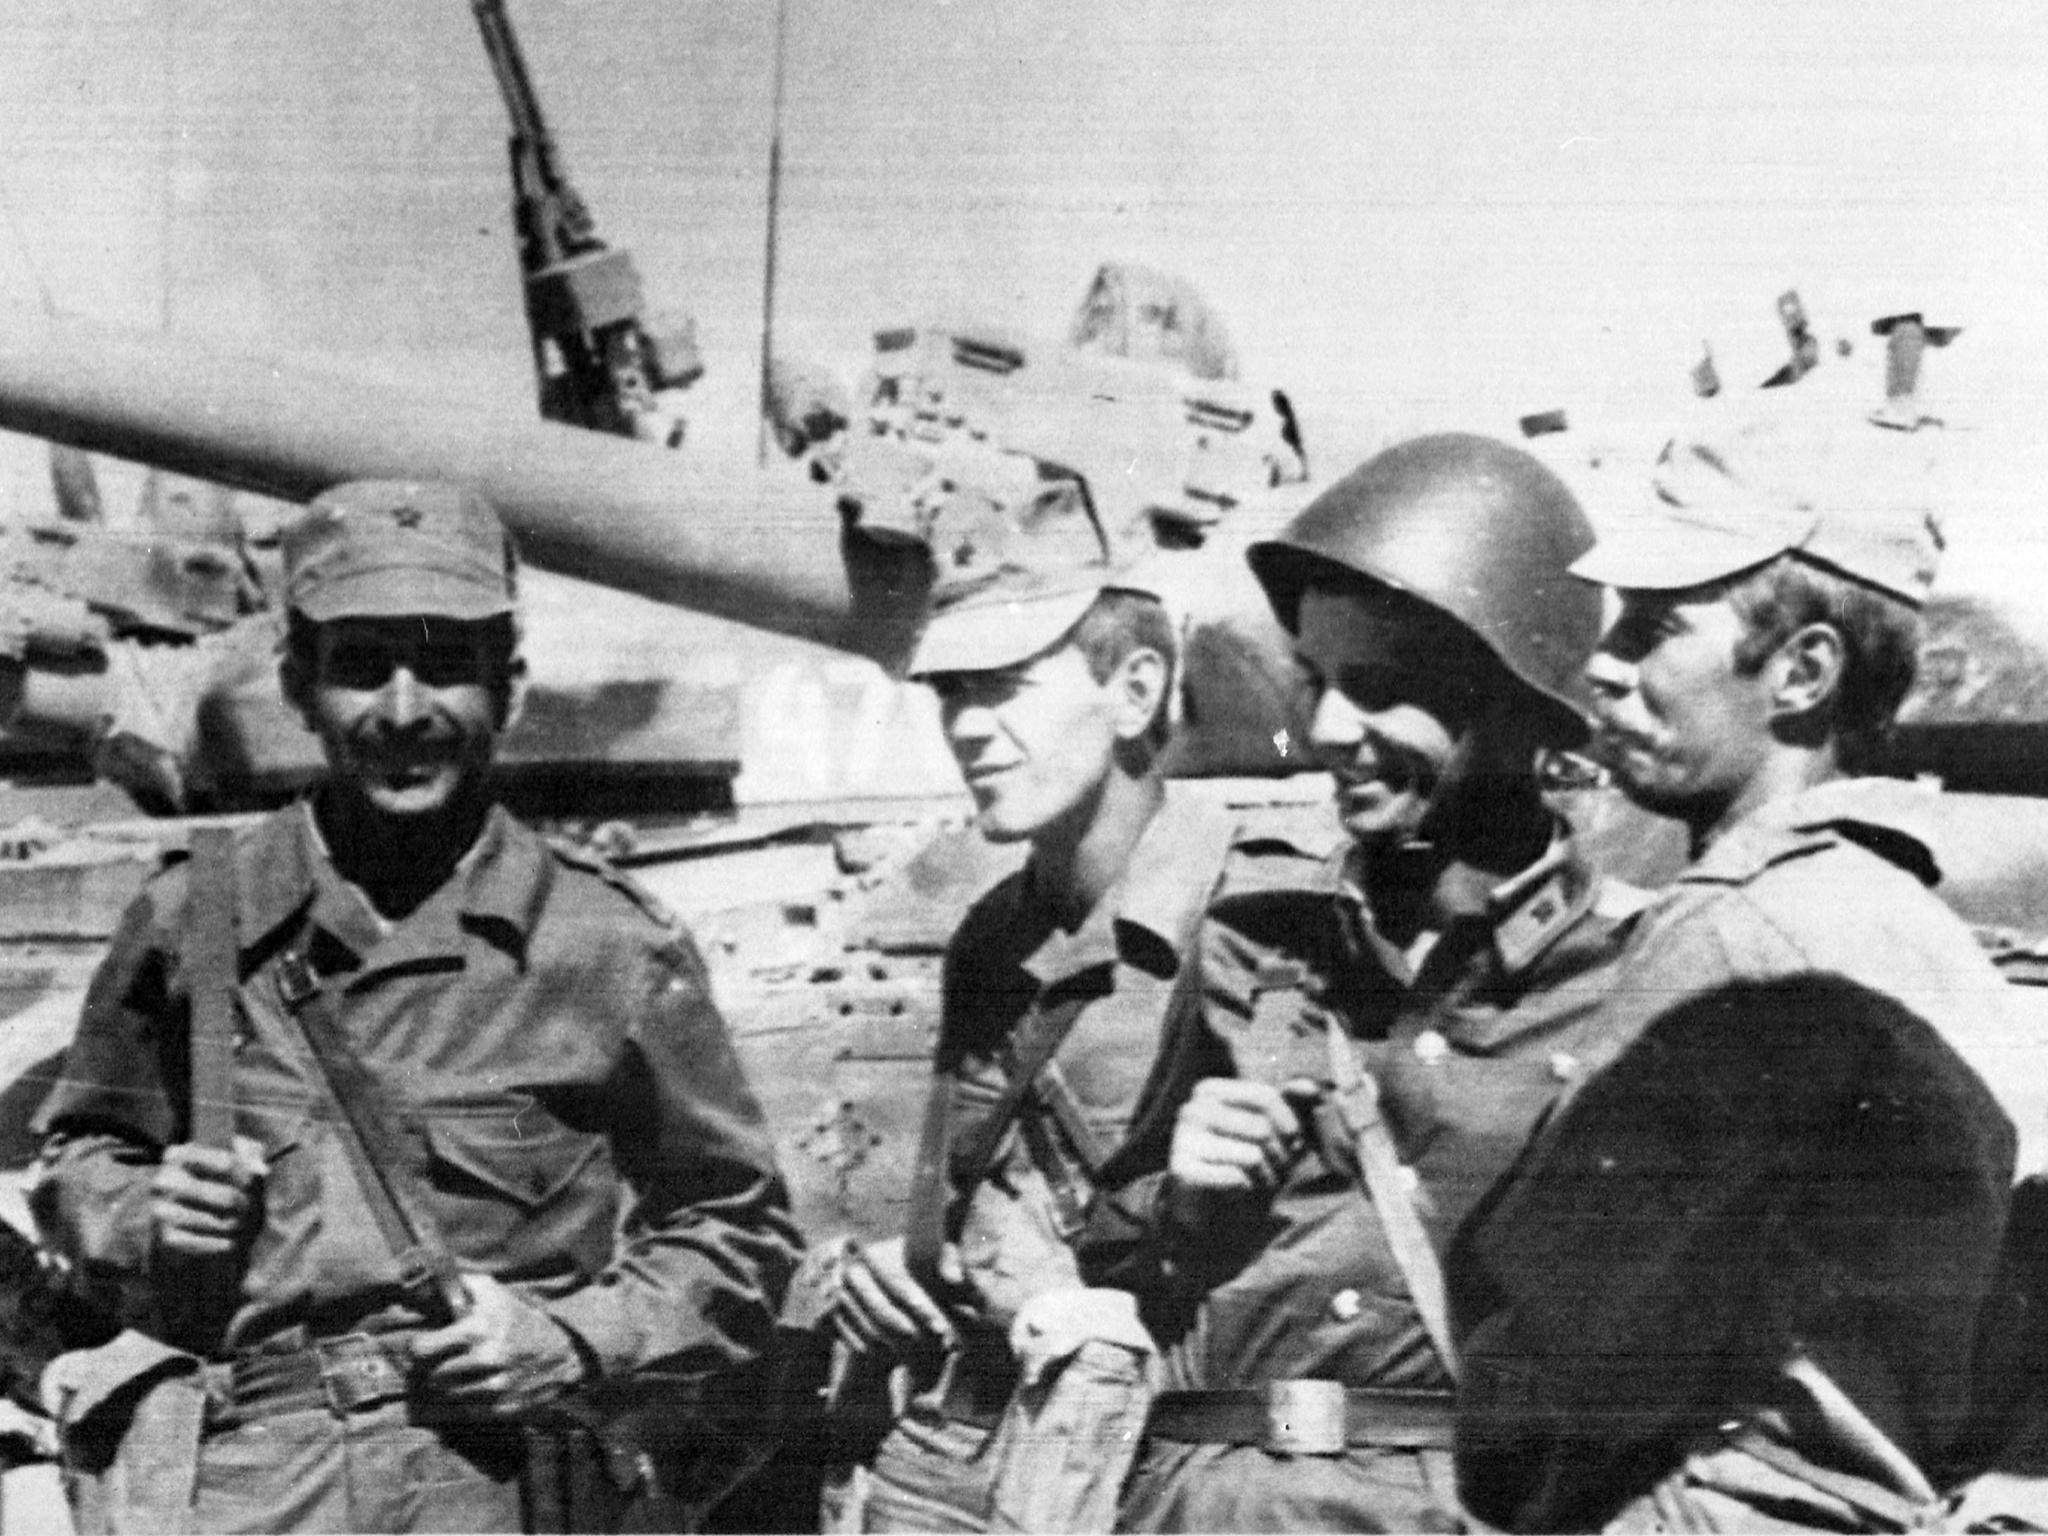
(1059, 988)
(1740, 1283)
(1456, 956)
(565, 1109)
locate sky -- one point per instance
(1410, 213)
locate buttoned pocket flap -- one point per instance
(524, 1157)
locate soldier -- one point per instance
(1036, 1167)
(566, 1147)
(1455, 955)
(1739, 1283)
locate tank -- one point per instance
(823, 921)
(850, 916)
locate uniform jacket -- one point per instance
(554, 1040)
(1469, 1050)
(1787, 1157)
(1124, 960)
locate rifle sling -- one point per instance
(376, 1133)
(1379, 1168)
(939, 1164)
(211, 972)
(1033, 1044)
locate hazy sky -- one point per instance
(1411, 213)
(1409, 210)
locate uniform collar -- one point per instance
(1889, 817)
(498, 886)
(1525, 914)
(1147, 914)
(1529, 911)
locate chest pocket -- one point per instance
(517, 1189)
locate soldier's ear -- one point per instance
(1141, 680)
(1807, 671)
(511, 692)
(295, 681)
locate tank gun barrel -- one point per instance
(608, 510)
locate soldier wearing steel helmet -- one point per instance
(1432, 1000)
(567, 1142)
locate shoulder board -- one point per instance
(1617, 901)
(1747, 852)
(601, 868)
(1311, 831)
(1283, 849)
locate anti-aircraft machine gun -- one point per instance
(598, 365)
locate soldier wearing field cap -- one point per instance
(566, 1144)
(1741, 1281)
(1010, 1304)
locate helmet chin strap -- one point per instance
(1476, 811)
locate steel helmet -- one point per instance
(1478, 530)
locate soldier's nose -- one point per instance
(1609, 676)
(402, 701)
(1335, 721)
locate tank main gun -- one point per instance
(775, 554)
(596, 363)
(583, 503)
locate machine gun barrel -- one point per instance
(554, 221)
(515, 84)
(616, 512)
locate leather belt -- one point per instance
(970, 1398)
(1305, 1417)
(343, 1375)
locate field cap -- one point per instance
(1015, 614)
(1734, 495)
(395, 548)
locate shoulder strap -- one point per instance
(373, 1129)
(939, 1161)
(1379, 1166)
(210, 968)
(1037, 1039)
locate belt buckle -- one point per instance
(1305, 1417)
(359, 1378)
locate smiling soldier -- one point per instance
(1449, 965)
(488, 1145)
(1009, 1303)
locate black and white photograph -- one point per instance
(1071, 766)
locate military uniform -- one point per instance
(1470, 1047)
(536, 1080)
(1790, 1159)
(938, 1469)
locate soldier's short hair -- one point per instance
(1119, 623)
(1880, 642)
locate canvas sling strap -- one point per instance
(210, 966)
(375, 1135)
(195, 1312)
(941, 1164)
(1357, 1100)
(1030, 1074)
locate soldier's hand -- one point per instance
(878, 1306)
(202, 1201)
(502, 1358)
(1010, 1246)
(1234, 1136)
